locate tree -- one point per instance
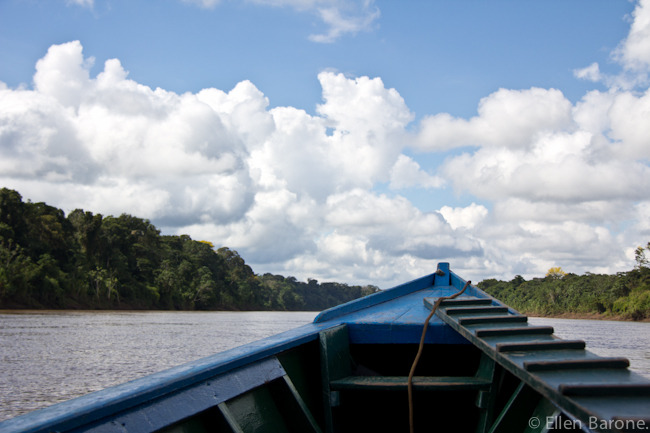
(555, 273)
(640, 257)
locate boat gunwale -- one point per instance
(88, 408)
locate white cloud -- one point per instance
(465, 217)
(341, 17)
(63, 73)
(205, 4)
(217, 165)
(346, 17)
(634, 51)
(567, 183)
(82, 3)
(590, 73)
(406, 173)
(506, 118)
(296, 193)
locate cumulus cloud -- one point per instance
(508, 118)
(633, 54)
(560, 184)
(464, 217)
(406, 173)
(566, 182)
(280, 185)
(634, 51)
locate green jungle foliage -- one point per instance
(625, 295)
(82, 260)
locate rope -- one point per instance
(419, 354)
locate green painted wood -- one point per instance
(335, 364)
(560, 371)
(465, 321)
(504, 332)
(466, 301)
(485, 399)
(545, 418)
(420, 383)
(257, 411)
(310, 424)
(577, 364)
(541, 345)
(230, 419)
(516, 413)
(477, 310)
(606, 389)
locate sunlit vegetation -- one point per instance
(86, 260)
(625, 295)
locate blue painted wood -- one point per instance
(394, 316)
(111, 401)
(584, 393)
(174, 407)
(376, 298)
(376, 318)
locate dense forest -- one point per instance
(86, 260)
(625, 295)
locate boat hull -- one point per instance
(481, 368)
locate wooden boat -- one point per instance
(481, 368)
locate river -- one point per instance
(52, 356)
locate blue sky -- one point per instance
(482, 132)
(441, 56)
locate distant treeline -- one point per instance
(625, 295)
(88, 261)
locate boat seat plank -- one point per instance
(423, 383)
(576, 364)
(606, 389)
(571, 376)
(476, 310)
(464, 321)
(541, 345)
(512, 331)
(462, 301)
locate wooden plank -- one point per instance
(466, 301)
(524, 330)
(476, 310)
(541, 345)
(465, 321)
(377, 298)
(606, 389)
(165, 411)
(399, 383)
(517, 411)
(335, 364)
(230, 419)
(575, 364)
(311, 424)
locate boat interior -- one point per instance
(434, 354)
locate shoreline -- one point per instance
(587, 316)
(566, 315)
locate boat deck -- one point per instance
(483, 369)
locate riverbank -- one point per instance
(566, 315)
(588, 316)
